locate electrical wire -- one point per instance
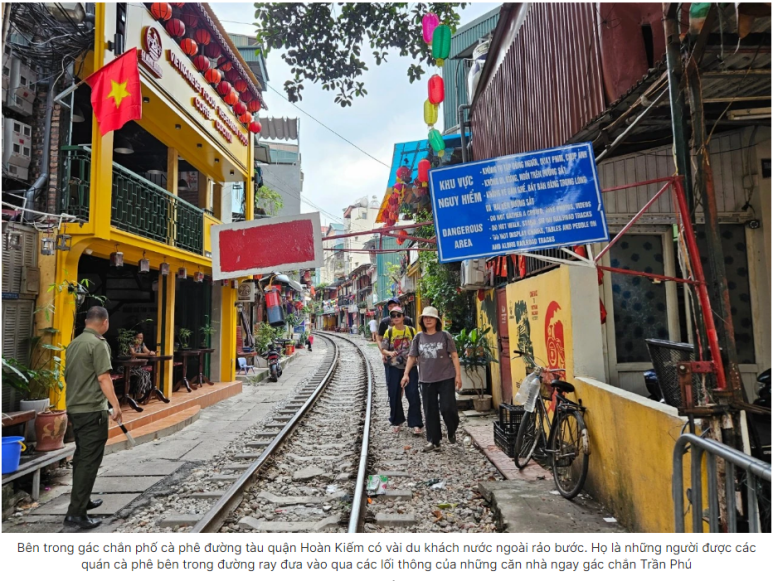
(357, 147)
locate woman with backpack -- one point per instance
(396, 344)
(439, 374)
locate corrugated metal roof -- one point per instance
(455, 70)
(279, 128)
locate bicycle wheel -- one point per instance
(570, 454)
(528, 437)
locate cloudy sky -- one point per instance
(336, 174)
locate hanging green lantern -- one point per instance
(441, 44)
(430, 113)
(436, 140)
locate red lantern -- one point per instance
(255, 126)
(213, 50)
(231, 98)
(404, 174)
(253, 106)
(224, 88)
(178, 4)
(240, 109)
(161, 11)
(401, 234)
(189, 46)
(436, 89)
(201, 63)
(224, 64)
(175, 27)
(213, 76)
(245, 96)
(246, 118)
(202, 36)
(240, 85)
(233, 76)
(190, 20)
(424, 167)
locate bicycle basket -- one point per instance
(666, 355)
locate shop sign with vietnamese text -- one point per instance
(518, 203)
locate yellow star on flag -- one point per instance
(118, 92)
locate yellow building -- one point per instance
(151, 190)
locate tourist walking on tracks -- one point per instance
(373, 325)
(396, 344)
(439, 374)
(89, 389)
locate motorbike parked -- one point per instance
(272, 356)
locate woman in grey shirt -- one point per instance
(439, 374)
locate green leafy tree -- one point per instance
(268, 202)
(324, 43)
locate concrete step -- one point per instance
(395, 520)
(179, 520)
(289, 527)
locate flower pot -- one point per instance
(289, 350)
(39, 405)
(50, 428)
(482, 403)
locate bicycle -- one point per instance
(567, 440)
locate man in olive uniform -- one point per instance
(89, 389)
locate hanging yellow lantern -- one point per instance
(430, 112)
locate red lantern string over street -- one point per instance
(255, 126)
(189, 46)
(253, 106)
(213, 50)
(213, 76)
(202, 36)
(240, 85)
(224, 88)
(224, 64)
(190, 20)
(246, 118)
(175, 27)
(161, 11)
(240, 109)
(201, 63)
(436, 89)
(231, 98)
(424, 167)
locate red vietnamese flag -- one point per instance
(115, 92)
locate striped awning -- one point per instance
(278, 128)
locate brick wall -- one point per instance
(48, 202)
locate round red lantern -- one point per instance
(231, 98)
(253, 106)
(201, 63)
(202, 36)
(436, 89)
(424, 167)
(175, 27)
(161, 11)
(404, 174)
(240, 85)
(246, 118)
(233, 76)
(240, 109)
(401, 234)
(213, 50)
(189, 46)
(255, 126)
(213, 76)
(224, 64)
(190, 20)
(245, 96)
(224, 88)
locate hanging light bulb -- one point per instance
(47, 246)
(116, 258)
(144, 264)
(164, 269)
(64, 242)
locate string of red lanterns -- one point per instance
(198, 46)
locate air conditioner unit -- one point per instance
(17, 148)
(22, 83)
(473, 274)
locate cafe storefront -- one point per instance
(148, 193)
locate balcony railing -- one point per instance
(139, 206)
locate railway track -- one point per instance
(320, 450)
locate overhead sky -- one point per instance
(336, 174)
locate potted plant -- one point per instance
(34, 396)
(207, 330)
(125, 342)
(185, 337)
(475, 355)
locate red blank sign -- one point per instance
(259, 246)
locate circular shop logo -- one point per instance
(151, 42)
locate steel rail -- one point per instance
(215, 517)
